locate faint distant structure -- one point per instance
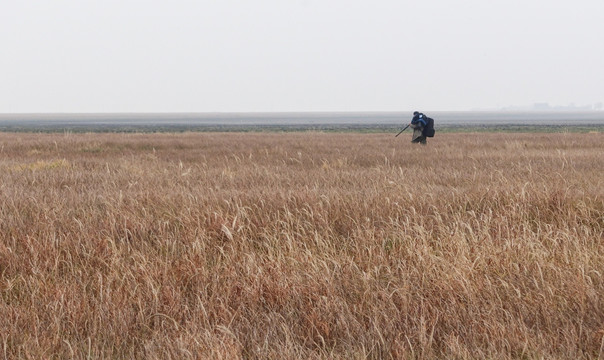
(598, 106)
(541, 106)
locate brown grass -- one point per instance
(301, 245)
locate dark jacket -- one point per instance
(419, 119)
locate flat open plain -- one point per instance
(301, 245)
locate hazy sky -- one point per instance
(298, 55)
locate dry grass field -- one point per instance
(301, 245)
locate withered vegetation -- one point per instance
(301, 245)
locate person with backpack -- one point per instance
(423, 127)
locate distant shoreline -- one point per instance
(322, 121)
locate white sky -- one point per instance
(298, 55)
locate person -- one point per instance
(417, 124)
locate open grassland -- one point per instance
(301, 245)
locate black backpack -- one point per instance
(429, 128)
